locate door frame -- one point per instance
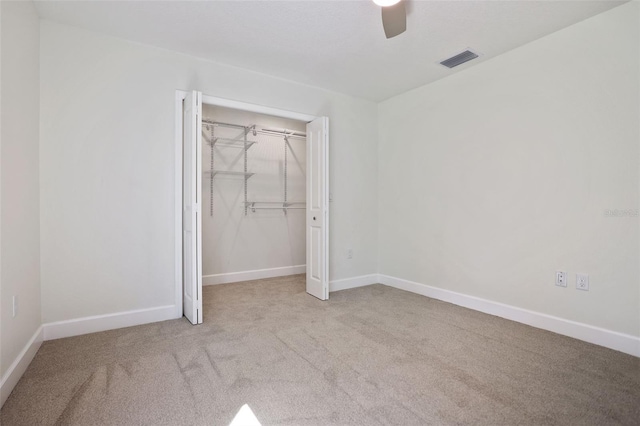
(220, 102)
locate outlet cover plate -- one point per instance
(582, 282)
(561, 279)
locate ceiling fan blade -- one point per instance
(394, 19)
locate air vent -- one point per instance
(459, 59)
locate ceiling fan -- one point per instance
(394, 17)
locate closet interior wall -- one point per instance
(236, 239)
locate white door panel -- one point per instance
(191, 219)
(318, 208)
(316, 251)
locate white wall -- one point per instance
(265, 239)
(496, 177)
(20, 217)
(107, 167)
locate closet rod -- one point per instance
(286, 136)
(285, 132)
(277, 208)
(287, 204)
(220, 123)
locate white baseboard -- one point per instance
(353, 282)
(78, 326)
(19, 365)
(258, 274)
(610, 339)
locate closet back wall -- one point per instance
(265, 242)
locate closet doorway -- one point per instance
(254, 196)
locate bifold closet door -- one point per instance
(318, 208)
(191, 208)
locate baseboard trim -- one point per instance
(93, 324)
(610, 339)
(353, 282)
(19, 365)
(258, 274)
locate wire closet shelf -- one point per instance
(242, 142)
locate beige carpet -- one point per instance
(369, 356)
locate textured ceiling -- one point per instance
(337, 45)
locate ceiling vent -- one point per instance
(459, 59)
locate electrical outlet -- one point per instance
(15, 306)
(561, 279)
(582, 282)
(349, 253)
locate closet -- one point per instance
(265, 181)
(253, 195)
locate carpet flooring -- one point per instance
(369, 356)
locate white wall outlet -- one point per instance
(15, 306)
(561, 279)
(349, 253)
(582, 282)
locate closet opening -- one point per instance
(254, 198)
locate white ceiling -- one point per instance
(337, 45)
